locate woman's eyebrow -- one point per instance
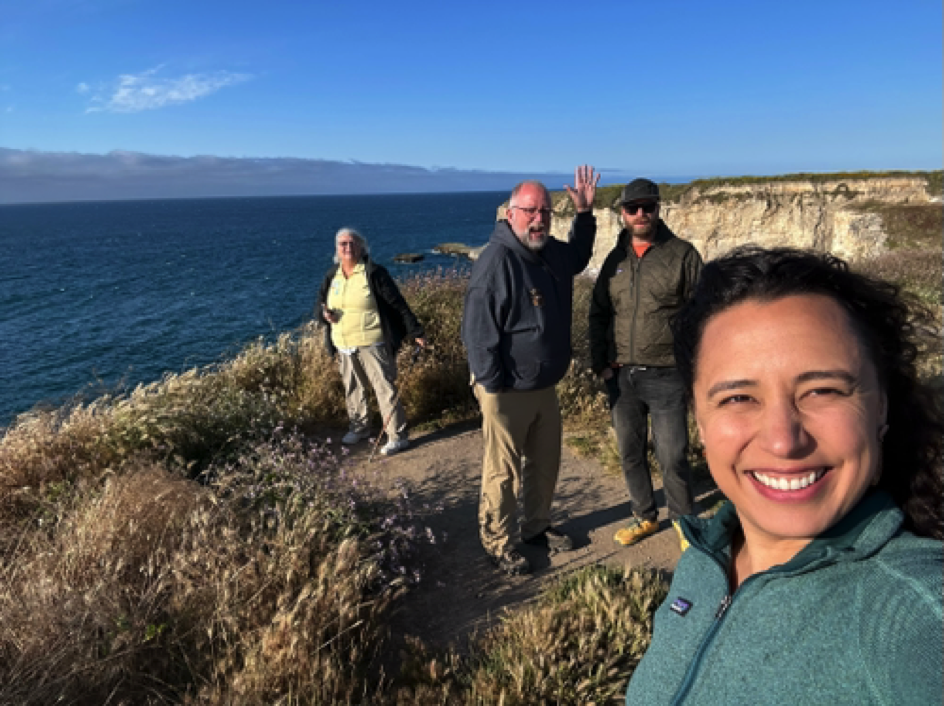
(843, 375)
(729, 385)
(811, 375)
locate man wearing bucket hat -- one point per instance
(644, 280)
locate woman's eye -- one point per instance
(734, 399)
(825, 391)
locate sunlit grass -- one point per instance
(196, 540)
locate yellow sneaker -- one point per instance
(682, 541)
(639, 529)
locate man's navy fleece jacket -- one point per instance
(517, 316)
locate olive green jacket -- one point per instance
(635, 298)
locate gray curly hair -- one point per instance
(358, 238)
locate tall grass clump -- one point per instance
(268, 583)
(434, 384)
(294, 372)
(578, 643)
(582, 399)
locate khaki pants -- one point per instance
(522, 433)
(372, 365)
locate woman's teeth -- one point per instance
(795, 483)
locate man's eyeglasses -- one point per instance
(347, 244)
(633, 208)
(530, 212)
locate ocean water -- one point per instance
(100, 296)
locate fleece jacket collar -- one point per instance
(861, 533)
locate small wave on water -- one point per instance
(97, 295)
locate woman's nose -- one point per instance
(782, 430)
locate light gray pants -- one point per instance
(522, 434)
(375, 366)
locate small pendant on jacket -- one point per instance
(537, 299)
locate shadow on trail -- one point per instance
(460, 593)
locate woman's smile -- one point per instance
(788, 483)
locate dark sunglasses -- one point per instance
(633, 208)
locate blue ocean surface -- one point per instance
(99, 296)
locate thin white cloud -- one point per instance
(133, 93)
(82, 88)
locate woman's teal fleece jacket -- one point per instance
(854, 618)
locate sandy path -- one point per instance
(460, 591)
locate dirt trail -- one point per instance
(460, 591)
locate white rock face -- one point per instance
(824, 215)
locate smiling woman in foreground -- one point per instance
(820, 581)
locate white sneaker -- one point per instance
(393, 446)
(352, 437)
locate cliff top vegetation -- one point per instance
(608, 196)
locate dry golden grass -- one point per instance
(434, 384)
(185, 543)
(151, 588)
(577, 644)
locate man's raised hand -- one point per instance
(584, 189)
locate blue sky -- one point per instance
(662, 88)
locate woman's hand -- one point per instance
(330, 316)
(421, 342)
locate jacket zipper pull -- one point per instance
(723, 607)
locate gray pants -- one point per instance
(659, 394)
(375, 366)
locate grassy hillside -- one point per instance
(196, 541)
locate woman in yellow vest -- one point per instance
(367, 320)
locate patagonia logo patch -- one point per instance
(680, 606)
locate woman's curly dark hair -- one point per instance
(886, 325)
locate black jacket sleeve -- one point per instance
(400, 319)
(583, 232)
(320, 306)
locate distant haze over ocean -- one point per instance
(32, 177)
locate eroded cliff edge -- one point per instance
(840, 213)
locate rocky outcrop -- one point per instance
(834, 213)
(459, 250)
(409, 257)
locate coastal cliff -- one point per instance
(840, 213)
